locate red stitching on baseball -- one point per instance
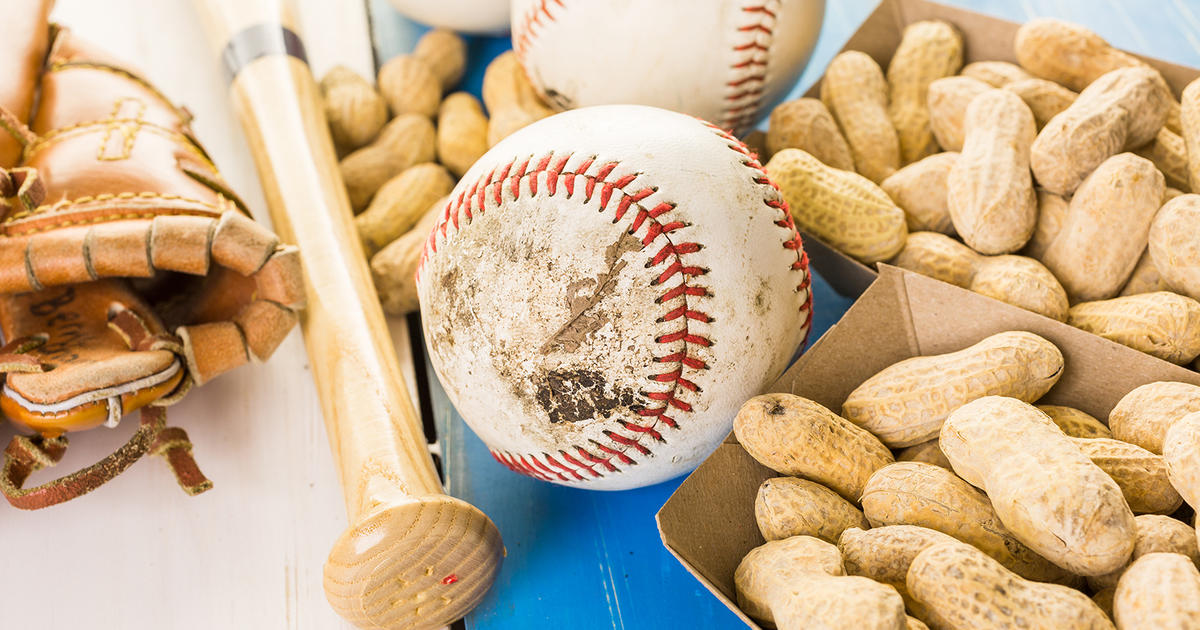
(795, 243)
(566, 469)
(759, 10)
(537, 17)
(752, 46)
(621, 457)
(751, 59)
(620, 439)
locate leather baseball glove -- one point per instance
(129, 271)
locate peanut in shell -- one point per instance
(394, 268)
(844, 209)
(925, 495)
(462, 132)
(1181, 450)
(1120, 111)
(799, 583)
(355, 111)
(996, 73)
(1157, 592)
(1016, 280)
(928, 50)
(1114, 206)
(1161, 324)
(1175, 244)
(400, 204)
(1169, 154)
(1052, 210)
(410, 86)
(1046, 491)
(798, 437)
(1155, 534)
(1145, 277)
(1046, 99)
(445, 52)
(961, 587)
(789, 506)
(947, 100)
(920, 190)
(805, 123)
(990, 191)
(1141, 475)
(907, 403)
(1190, 132)
(404, 141)
(925, 453)
(1075, 423)
(1143, 415)
(885, 553)
(1067, 53)
(856, 93)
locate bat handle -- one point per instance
(412, 556)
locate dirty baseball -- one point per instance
(602, 289)
(728, 62)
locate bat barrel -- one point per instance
(412, 556)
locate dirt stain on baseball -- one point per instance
(582, 295)
(576, 395)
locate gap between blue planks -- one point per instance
(593, 560)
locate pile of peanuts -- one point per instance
(403, 146)
(943, 498)
(1066, 179)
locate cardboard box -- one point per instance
(985, 38)
(708, 523)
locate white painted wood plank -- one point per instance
(138, 553)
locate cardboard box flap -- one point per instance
(710, 548)
(882, 312)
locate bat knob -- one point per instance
(420, 563)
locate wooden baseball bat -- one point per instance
(412, 556)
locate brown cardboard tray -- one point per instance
(985, 38)
(708, 523)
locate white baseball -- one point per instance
(604, 290)
(465, 16)
(726, 61)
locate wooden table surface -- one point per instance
(139, 553)
(248, 554)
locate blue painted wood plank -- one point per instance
(586, 559)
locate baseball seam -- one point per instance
(748, 68)
(751, 161)
(534, 19)
(751, 54)
(595, 459)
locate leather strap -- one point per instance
(173, 444)
(26, 455)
